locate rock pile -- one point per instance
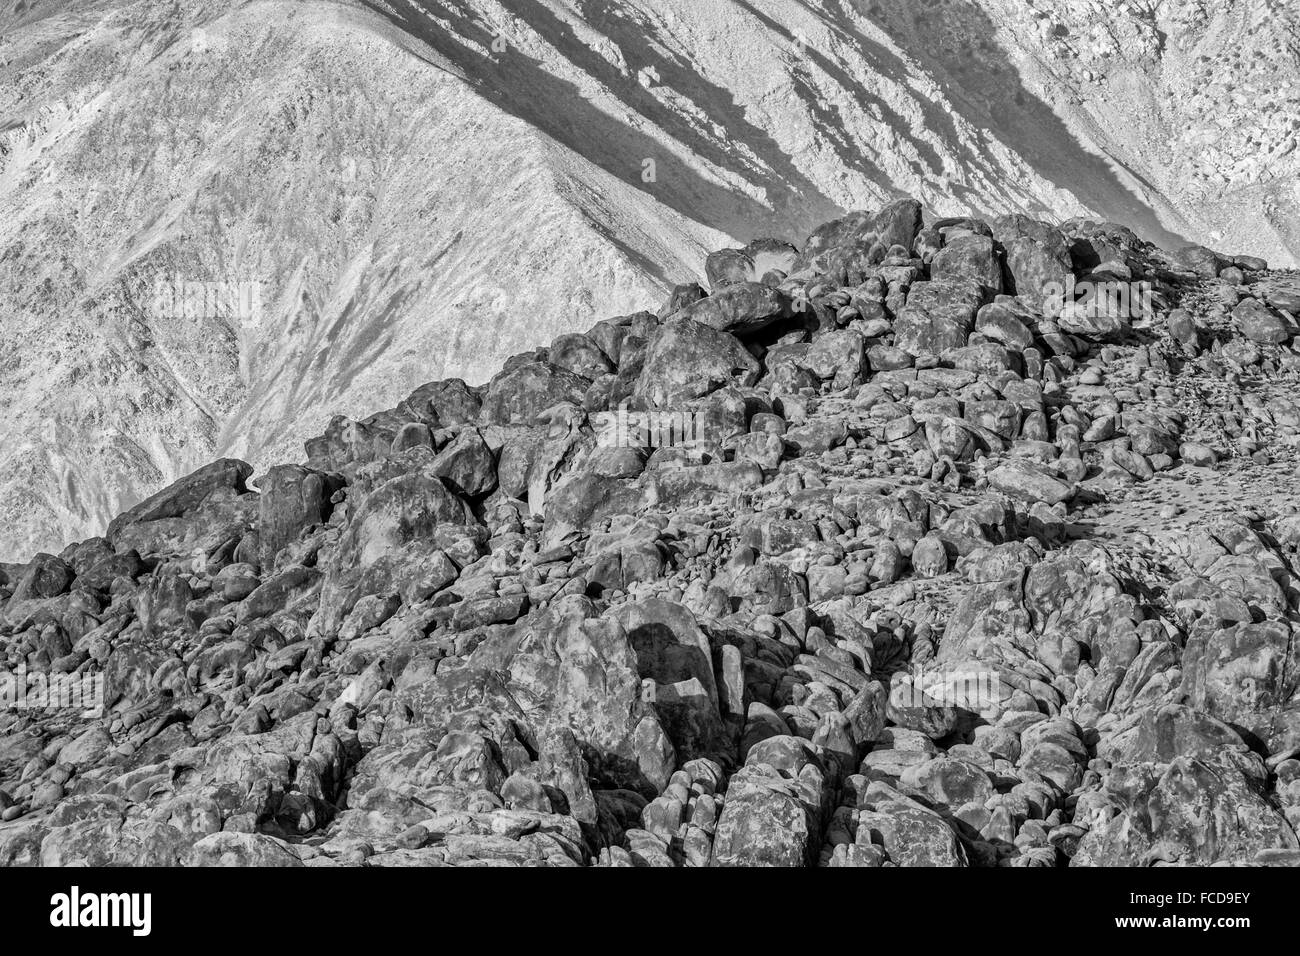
(807, 568)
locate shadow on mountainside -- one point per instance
(955, 41)
(523, 87)
(952, 40)
(883, 62)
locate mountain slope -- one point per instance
(389, 240)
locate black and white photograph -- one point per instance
(650, 434)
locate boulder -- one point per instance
(687, 360)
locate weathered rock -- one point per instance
(739, 308)
(519, 395)
(915, 574)
(1259, 324)
(187, 495)
(1192, 811)
(466, 465)
(687, 359)
(292, 499)
(970, 257)
(1026, 481)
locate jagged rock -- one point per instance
(291, 499)
(1192, 811)
(898, 595)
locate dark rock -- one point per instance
(292, 499)
(687, 359)
(969, 257)
(520, 395)
(184, 496)
(739, 308)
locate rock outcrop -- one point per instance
(878, 553)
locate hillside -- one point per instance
(878, 551)
(413, 190)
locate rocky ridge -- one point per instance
(949, 572)
(419, 188)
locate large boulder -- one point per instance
(775, 807)
(1194, 811)
(293, 498)
(898, 223)
(466, 465)
(519, 395)
(46, 576)
(1062, 598)
(443, 404)
(1259, 324)
(910, 834)
(675, 653)
(1206, 263)
(971, 257)
(687, 359)
(183, 497)
(1005, 324)
(392, 534)
(1242, 675)
(565, 670)
(938, 316)
(838, 357)
(739, 308)
(1037, 258)
(833, 237)
(750, 264)
(580, 355)
(1028, 482)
